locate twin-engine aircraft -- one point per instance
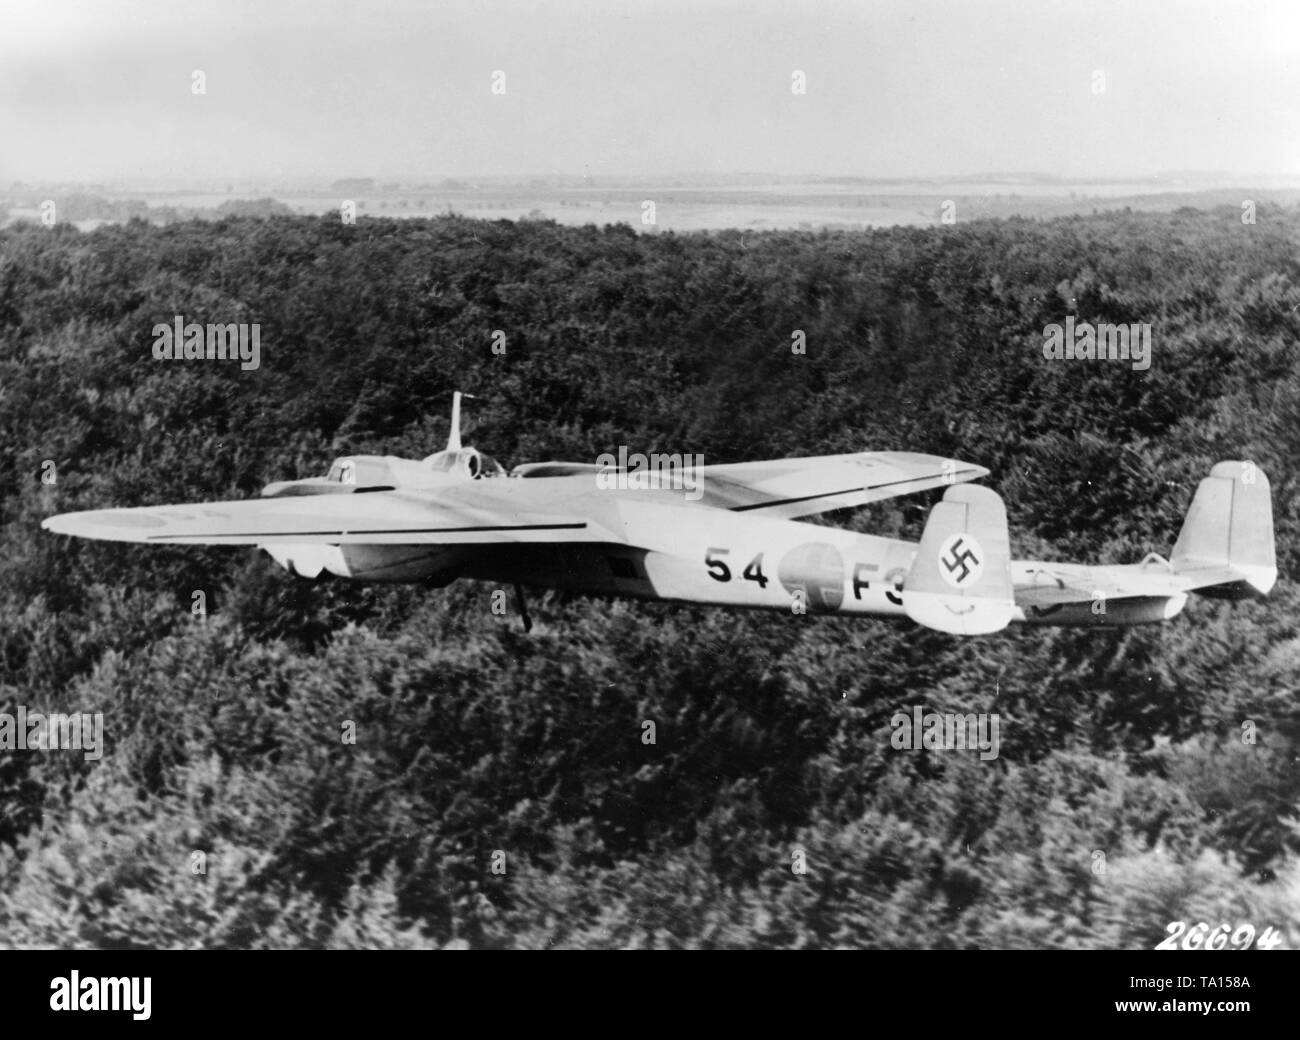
(725, 535)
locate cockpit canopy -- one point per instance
(362, 470)
(467, 462)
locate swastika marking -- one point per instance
(961, 561)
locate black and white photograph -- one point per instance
(650, 475)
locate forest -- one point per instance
(498, 791)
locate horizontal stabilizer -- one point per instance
(960, 580)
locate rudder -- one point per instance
(960, 579)
(1226, 542)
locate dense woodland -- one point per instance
(1126, 794)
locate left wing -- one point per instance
(457, 516)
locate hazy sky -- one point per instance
(102, 90)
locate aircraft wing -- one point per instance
(376, 518)
(513, 511)
(791, 488)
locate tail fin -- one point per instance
(453, 438)
(960, 580)
(1226, 544)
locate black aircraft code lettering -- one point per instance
(722, 572)
(859, 582)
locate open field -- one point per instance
(680, 204)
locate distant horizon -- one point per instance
(1220, 178)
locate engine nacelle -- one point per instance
(436, 565)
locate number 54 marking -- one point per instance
(719, 571)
